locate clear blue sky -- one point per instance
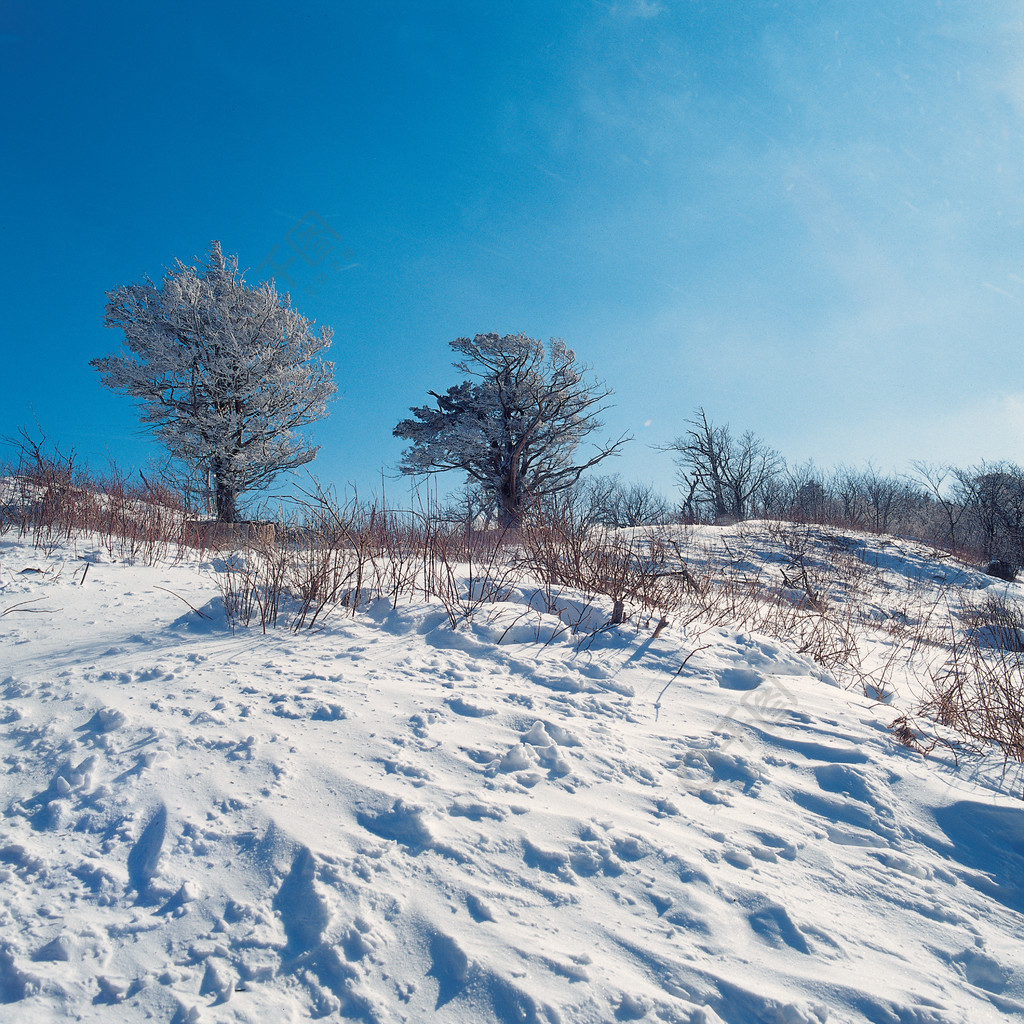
(805, 217)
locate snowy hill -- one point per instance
(390, 820)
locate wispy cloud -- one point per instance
(639, 9)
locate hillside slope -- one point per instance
(389, 820)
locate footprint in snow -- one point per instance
(723, 768)
(981, 970)
(772, 923)
(68, 784)
(476, 811)
(739, 678)
(772, 847)
(304, 914)
(815, 750)
(737, 858)
(589, 858)
(144, 856)
(538, 745)
(467, 710)
(58, 950)
(219, 980)
(402, 824)
(15, 984)
(418, 776)
(449, 966)
(478, 910)
(551, 861)
(848, 822)
(850, 782)
(105, 720)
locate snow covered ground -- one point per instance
(388, 820)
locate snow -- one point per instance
(390, 820)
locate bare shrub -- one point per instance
(866, 612)
(908, 735)
(644, 568)
(332, 556)
(321, 559)
(980, 692)
(44, 504)
(466, 569)
(995, 624)
(52, 500)
(798, 588)
(240, 592)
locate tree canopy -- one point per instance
(224, 372)
(514, 426)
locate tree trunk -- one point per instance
(225, 498)
(511, 513)
(511, 510)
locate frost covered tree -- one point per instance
(224, 373)
(514, 426)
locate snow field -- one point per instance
(390, 820)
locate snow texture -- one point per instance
(388, 820)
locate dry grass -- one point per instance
(978, 689)
(49, 500)
(867, 613)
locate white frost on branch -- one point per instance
(224, 372)
(514, 426)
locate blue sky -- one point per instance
(805, 217)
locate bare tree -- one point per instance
(993, 494)
(607, 501)
(808, 497)
(638, 504)
(940, 483)
(891, 499)
(851, 501)
(587, 503)
(721, 475)
(875, 501)
(514, 426)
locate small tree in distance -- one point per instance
(224, 372)
(722, 475)
(514, 427)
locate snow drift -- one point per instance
(391, 820)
